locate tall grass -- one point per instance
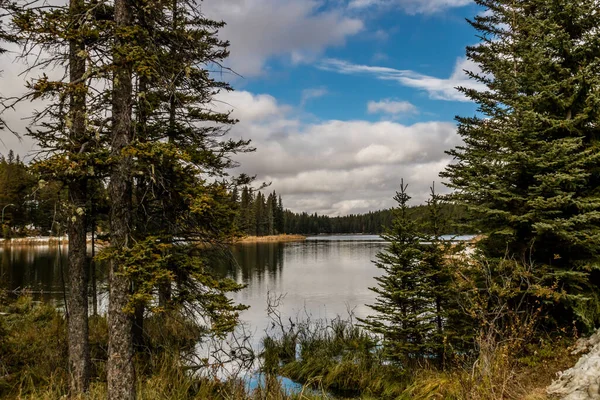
(33, 360)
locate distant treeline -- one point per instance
(28, 205)
(374, 222)
(36, 207)
(261, 215)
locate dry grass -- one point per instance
(272, 238)
(35, 241)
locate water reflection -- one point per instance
(257, 261)
(41, 269)
(319, 277)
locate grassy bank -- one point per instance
(336, 359)
(340, 358)
(271, 238)
(33, 359)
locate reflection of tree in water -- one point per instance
(37, 269)
(40, 270)
(251, 261)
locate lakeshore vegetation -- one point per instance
(128, 133)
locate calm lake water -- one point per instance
(323, 277)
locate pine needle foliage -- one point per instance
(181, 162)
(528, 167)
(414, 294)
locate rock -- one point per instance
(581, 382)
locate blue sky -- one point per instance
(341, 98)
(429, 44)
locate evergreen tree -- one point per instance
(279, 216)
(247, 211)
(449, 325)
(178, 189)
(66, 36)
(529, 165)
(271, 210)
(401, 304)
(416, 310)
(259, 215)
(120, 367)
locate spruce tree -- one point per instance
(437, 275)
(4, 37)
(177, 184)
(67, 36)
(279, 216)
(401, 299)
(529, 164)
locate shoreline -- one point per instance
(64, 240)
(35, 241)
(271, 239)
(44, 241)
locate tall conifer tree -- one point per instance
(529, 164)
(400, 302)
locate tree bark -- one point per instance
(94, 284)
(120, 368)
(79, 348)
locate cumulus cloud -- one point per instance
(391, 107)
(262, 29)
(437, 88)
(411, 6)
(338, 167)
(312, 93)
(16, 118)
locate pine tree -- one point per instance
(4, 37)
(271, 210)
(63, 130)
(120, 367)
(246, 211)
(279, 216)
(180, 173)
(529, 164)
(449, 325)
(401, 299)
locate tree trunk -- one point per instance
(79, 348)
(120, 368)
(93, 262)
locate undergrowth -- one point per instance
(334, 359)
(33, 359)
(341, 359)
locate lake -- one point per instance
(324, 276)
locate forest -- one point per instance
(260, 215)
(36, 208)
(131, 146)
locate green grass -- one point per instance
(338, 360)
(33, 359)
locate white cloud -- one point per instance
(391, 107)
(338, 167)
(411, 6)
(437, 88)
(262, 29)
(312, 93)
(13, 86)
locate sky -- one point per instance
(341, 98)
